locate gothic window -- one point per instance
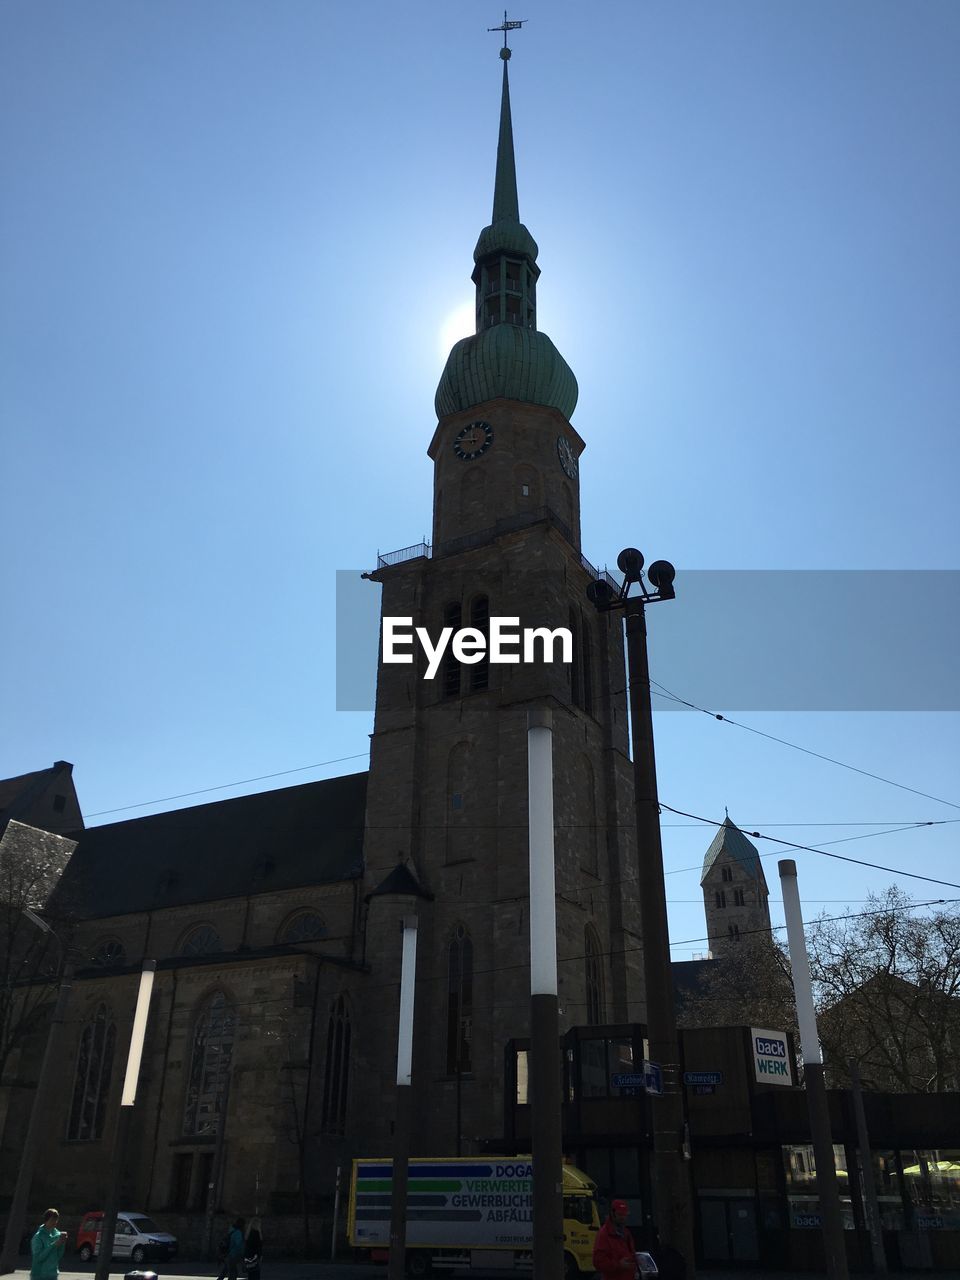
(459, 1002)
(461, 833)
(586, 653)
(450, 671)
(305, 926)
(203, 940)
(576, 688)
(734, 932)
(738, 900)
(213, 1035)
(721, 898)
(480, 618)
(336, 1076)
(109, 952)
(91, 1082)
(726, 873)
(593, 963)
(586, 832)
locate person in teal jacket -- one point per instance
(46, 1248)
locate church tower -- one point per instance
(447, 793)
(734, 890)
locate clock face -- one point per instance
(567, 457)
(473, 441)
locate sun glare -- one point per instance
(459, 323)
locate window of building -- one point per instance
(734, 932)
(203, 940)
(720, 898)
(459, 1002)
(91, 1082)
(213, 1036)
(726, 873)
(593, 963)
(480, 618)
(305, 926)
(450, 674)
(738, 898)
(337, 1074)
(109, 952)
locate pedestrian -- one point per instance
(46, 1248)
(253, 1250)
(614, 1254)
(233, 1257)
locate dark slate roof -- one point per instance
(282, 839)
(18, 795)
(730, 839)
(401, 882)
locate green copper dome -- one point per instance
(506, 360)
(506, 235)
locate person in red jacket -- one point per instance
(614, 1254)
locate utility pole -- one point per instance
(867, 1179)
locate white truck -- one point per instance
(469, 1213)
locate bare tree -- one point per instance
(749, 986)
(888, 991)
(31, 862)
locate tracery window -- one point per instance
(593, 964)
(305, 926)
(337, 1075)
(201, 941)
(459, 1002)
(450, 672)
(92, 1078)
(213, 1036)
(109, 952)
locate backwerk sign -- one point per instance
(771, 1056)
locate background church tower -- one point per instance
(447, 789)
(734, 890)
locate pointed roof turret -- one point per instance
(506, 357)
(731, 840)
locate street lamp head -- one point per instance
(630, 564)
(661, 574)
(600, 593)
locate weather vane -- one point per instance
(506, 26)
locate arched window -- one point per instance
(213, 1035)
(305, 926)
(337, 1075)
(109, 952)
(201, 941)
(586, 833)
(480, 618)
(459, 1002)
(576, 688)
(462, 835)
(586, 653)
(450, 671)
(91, 1082)
(593, 964)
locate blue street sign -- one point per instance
(628, 1081)
(703, 1077)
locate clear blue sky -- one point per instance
(233, 236)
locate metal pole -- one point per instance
(545, 1084)
(28, 1158)
(403, 1123)
(671, 1181)
(128, 1096)
(866, 1173)
(336, 1214)
(827, 1189)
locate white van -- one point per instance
(137, 1237)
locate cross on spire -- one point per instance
(506, 26)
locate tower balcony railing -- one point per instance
(467, 542)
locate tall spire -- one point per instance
(505, 202)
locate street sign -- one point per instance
(653, 1077)
(703, 1077)
(628, 1081)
